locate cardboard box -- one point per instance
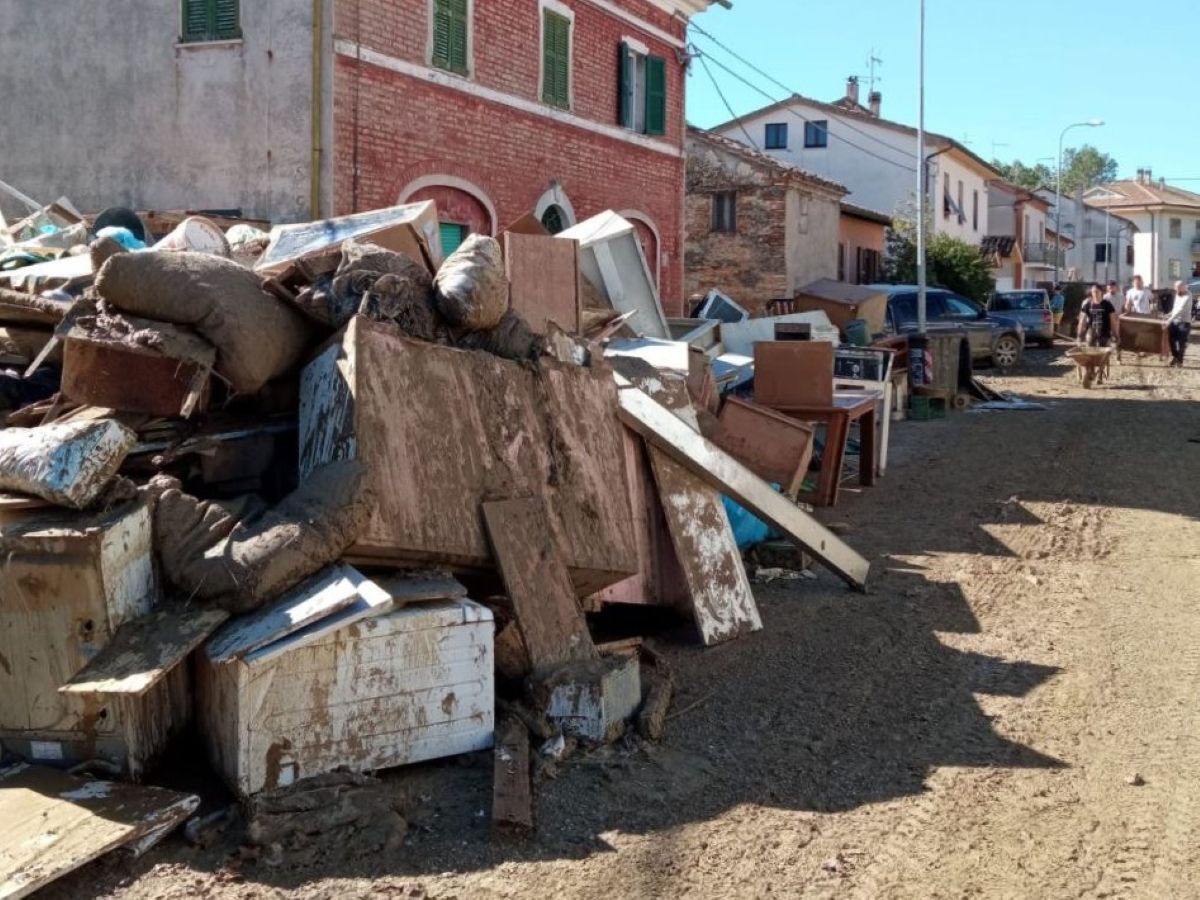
(411, 685)
(68, 581)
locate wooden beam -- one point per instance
(666, 431)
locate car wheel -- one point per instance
(1007, 351)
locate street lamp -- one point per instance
(1090, 123)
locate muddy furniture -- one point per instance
(1143, 334)
(846, 407)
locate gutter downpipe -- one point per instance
(318, 44)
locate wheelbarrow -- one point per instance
(1091, 363)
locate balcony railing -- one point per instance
(1196, 244)
(1044, 254)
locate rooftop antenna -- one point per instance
(873, 62)
(996, 144)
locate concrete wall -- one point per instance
(856, 234)
(102, 105)
(974, 222)
(812, 235)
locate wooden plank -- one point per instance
(51, 823)
(512, 794)
(375, 597)
(773, 446)
(327, 592)
(543, 276)
(722, 600)
(717, 468)
(537, 582)
(144, 650)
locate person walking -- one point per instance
(1097, 319)
(1138, 299)
(1179, 323)
(1112, 293)
(1058, 302)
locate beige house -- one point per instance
(1017, 242)
(1166, 247)
(754, 227)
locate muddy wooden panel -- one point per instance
(410, 685)
(717, 468)
(67, 584)
(512, 794)
(773, 446)
(793, 373)
(722, 601)
(443, 430)
(327, 592)
(51, 823)
(132, 378)
(543, 276)
(144, 650)
(537, 582)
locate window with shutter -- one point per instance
(451, 21)
(625, 85)
(452, 236)
(210, 20)
(656, 95)
(556, 60)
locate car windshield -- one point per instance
(1015, 300)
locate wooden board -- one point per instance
(722, 600)
(51, 823)
(144, 650)
(537, 582)
(793, 373)
(775, 447)
(512, 794)
(718, 469)
(375, 597)
(443, 430)
(543, 276)
(327, 592)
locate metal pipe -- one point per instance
(922, 173)
(318, 48)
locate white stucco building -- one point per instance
(1098, 243)
(874, 157)
(1017, 242)
(1166, 247)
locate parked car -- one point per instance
(993, 338)
(1031, 308)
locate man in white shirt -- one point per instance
(1179, 323)
(1138, 300)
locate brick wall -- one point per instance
(392, 127)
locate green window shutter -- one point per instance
(452, 236)
(195, 20)
(556, 60)
(226, 25)
(450, 35)
(656, 95)
(624, 80)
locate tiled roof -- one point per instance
(761, 159)
(862, 212)
(1136, 194)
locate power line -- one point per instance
(779, 84)
(861, 149)
(717, 88)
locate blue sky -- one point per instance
(1005, 78)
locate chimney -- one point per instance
(873, 100)
(852, 89)
(1144, 176)
(1162, 184)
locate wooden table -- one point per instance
(1143, 334)
(848, 406)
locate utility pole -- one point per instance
(922, 192)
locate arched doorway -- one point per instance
(463, 208)
(648, 237)
(554, 210)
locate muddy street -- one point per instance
(1011, 711)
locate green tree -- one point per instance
(1083, 167)
(1028, 177)
(950, 263)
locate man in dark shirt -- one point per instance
(1097, 319)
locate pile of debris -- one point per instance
(297, 468)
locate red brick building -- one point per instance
(498, 108)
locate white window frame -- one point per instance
(636, 88)
(556, 6)
(470, 76)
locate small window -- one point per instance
(1175, 228)
(816, 133)
(452, 235)
(556, 59)
(450, 24)
(841, 262)
(641, 91)
(1129, 255)
(946, 201)
(1198, 227)
(962, 218)
(210, 20)
(724, 212)
(1175, 268)
(777, 136)
(553, 219)
(1103, 253)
